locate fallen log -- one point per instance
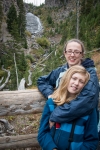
(19, 141)
(21, 102)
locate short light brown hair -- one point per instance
(77, 41)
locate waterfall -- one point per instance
(22, 84)
(33, 24)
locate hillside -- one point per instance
(60, 24)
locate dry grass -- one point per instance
(24, 124)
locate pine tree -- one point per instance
(14, 30)
(11, 17)
(21, 18)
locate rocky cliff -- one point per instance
(7, 4)
(56, 3)
(51, 3)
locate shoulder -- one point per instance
(88, 63)
(61, 68)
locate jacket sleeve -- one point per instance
(44, 137)
(91, 133)
(86, 101)
(47, 83)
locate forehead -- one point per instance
(79, 76)
(74, 45)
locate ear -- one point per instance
(64, 52)
(82, 56)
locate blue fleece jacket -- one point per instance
(84, 103)
(85, 133)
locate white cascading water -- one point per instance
(33, 24)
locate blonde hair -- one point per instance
(60, 95)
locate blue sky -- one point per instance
(35, 2)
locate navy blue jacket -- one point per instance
(85, 135)
(83, 104)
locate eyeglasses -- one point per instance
(69, 52)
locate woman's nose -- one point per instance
(72, 54)
(76, 82)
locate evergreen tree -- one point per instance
(21, 24)
(14, 30)
(11, 17)
(21, 18)
(22, 66)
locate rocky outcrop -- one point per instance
(55, 3)
(69, 6)
(7, 4)
(51, 3)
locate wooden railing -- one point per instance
(20, 103)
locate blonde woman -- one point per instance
(85, 134)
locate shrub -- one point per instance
(43, 42)
(28, 33)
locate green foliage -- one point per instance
(14, 30)
(30, 58)
(2, 73)
(28, 33)
(86, 6)
(11, 17)
(25, 43)
(16, 24)
(13, 83)
(64, 36)
(22, 63)
(98, 39)
(49, 20)
(43, 42)
(89, 24)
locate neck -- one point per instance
(70, 96)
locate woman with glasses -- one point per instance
(87, 100)
(85, 135)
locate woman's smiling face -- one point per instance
(76, 83)
(75, 56)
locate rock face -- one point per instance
(56, 3)
(7, 4)
(51, 3)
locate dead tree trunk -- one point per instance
(19, 141)
(17, 103)
(7, 79)
(21, 102)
